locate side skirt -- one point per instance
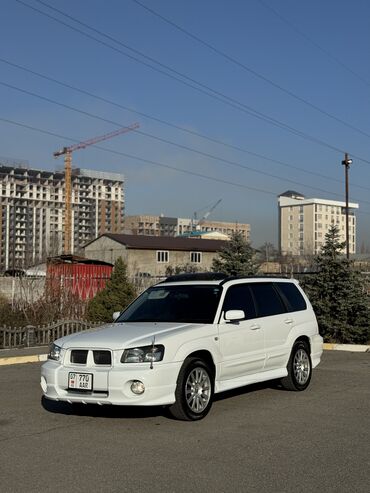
(222, 386)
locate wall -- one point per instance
(142, 261)
(22, 288)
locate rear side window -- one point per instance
(268, 301)
(238, 297)
(292, 296)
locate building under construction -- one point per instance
(32, 211)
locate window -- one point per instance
(268, 302)
(196, 257)
(239, 297)
(162, 256)
(292, 296)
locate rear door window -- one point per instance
(292, 296)
(267, 299)
(239, 297)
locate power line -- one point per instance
(245, 67)
(202, 87)
(177, 127)
(120, 125)
(148, 161)
(314, 43)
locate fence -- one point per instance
(16, 337)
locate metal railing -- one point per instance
(28, 336)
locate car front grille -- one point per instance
(98, 357)
(79, 356)
(102, 357)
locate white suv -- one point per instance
(187, 338)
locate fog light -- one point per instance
(137, 387)
(43, 384)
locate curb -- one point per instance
(36, 358)
(16, 360)
(357, 348)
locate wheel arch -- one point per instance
(205, 356)
(304, 339)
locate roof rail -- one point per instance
(197, 276)
(268, 276)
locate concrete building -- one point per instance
(32, 211)
(177, 226)
(151, 255)
(303, 223)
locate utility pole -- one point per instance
(346, 163)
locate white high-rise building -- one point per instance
(303, 223)
(32, 208)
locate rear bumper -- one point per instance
(316, 349)
(113, 385)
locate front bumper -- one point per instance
(112, 385)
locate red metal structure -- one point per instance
(78, 276)
(67, 151)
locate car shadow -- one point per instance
(136, 412)
(104, 411)
(248, 389)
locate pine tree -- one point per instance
(237, 258)
(338, 295)
(116, 295)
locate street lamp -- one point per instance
(346, 163)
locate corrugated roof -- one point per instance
(165, 242)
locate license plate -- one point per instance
(80, 381)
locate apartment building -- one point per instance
(177, 226)
(304, 222)
(32, 207)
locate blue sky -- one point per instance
(317, 51)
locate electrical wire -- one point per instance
(177, 127)
(202, 87)
(167, 141)
(245, 67)
(314, 43)
(148, 161)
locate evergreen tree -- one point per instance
(237, 258)
(116, 295)
(338, 295)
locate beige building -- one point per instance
(151, 255)
(177, 226)
(32, 208)
(303, 223)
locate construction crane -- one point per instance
(67, 152)
(204, 217)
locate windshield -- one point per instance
(191, 303)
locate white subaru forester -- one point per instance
(187, 338)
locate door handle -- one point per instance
(288, 321)
(255, 327)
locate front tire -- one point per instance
(299, 368)
(194, 391)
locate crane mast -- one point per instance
(67, 152)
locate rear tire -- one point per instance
(194, 391)
(299, 368)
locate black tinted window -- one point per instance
(239, 297)
(268, 302)
(292, 296)
(183, 303)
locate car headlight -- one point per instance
(55, 352)
(145, 354)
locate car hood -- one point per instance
(120, 335)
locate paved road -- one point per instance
(259, 439)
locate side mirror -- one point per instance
(116, 315)
(234, 315)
